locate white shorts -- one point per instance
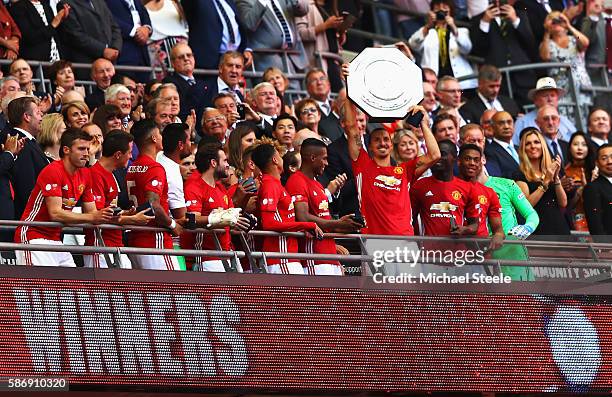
(155, 262)
(209, 266)
(44, 258)
(324, 269)
(99, 261)
(289, 268)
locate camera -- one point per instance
(241, 111)
(440, 15)
(557, 21)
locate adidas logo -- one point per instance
(211, 200)
(428, 194)
(111, 190)
(65, 187)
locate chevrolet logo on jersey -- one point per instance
(69, 203)
(443, 206)
(389, 181)
(324, 205)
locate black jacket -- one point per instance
(35, 35)
(340, 162)
(500, 160)
(192, 97)
(472, 110)
(598, 205)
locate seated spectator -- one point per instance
(226, 103)
(320, 32)
(97, 140)
(486, 122)
(449, 96)
(8, 85)
(311, 205)
(26, 117)
(487, 96)
(239, 140)
(284, 129)
(11, 147)
(560, 46)
(309, 115)
(160, 111)
(442, 46)
(209, 33)
(51, 129)
(429, 102)
(383, 186)
(90, 32)
(278, 79)
(58, 202)
(265, 23)
(135, 26)
(76, 114)
(265, 103)
(190, 89)
(231, 67)
(599, 127)
(545, 93)
(540, 182)
(445, 127)
(136, 89)
(169, 28)
(119, 96)
(598, 195)
(20, 69)
(405, 146)
(548, 124)
(39, 25)
(169, 92)
(578, 172)
(214, 124)
(62, 80)
(277, 213)
(102, 72)
(108, 118)
(10, 35)
(319, 89)
(503, 36)
(502, 157)
(430, 76)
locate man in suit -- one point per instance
(231, 67)
(11, 148)
(502, 157)
(9, 85)
(191, 90)
(135, 24)
(270, 24)
(102, 72)
(536, 11)
(503, 37)
(265, 103)
(548, 123)
(487, 96)
(449, 95)
(598, 195)
(599, 127)
(319, 88)
(26, 117)
(339, 162)
(21, 70)
(90, 32)
(209, 34)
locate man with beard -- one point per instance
(382, 188)
(312, 205)
(205, 195)
(58, 188)
(276, 212)
(489, 208)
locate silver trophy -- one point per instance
(384, 83)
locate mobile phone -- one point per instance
(358, 219)
(347, 22)
(249, 185)
(415, 119)
(191, 220)
(241, 111)
(453, 224)
(117, 211)
(146, 206)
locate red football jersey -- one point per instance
(203, 198)
(383, 195)
(438, 201)
(305, 190)
(105, 191)
(488, 207)
(53, 181)
(147, 175)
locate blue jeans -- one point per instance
(385, 20)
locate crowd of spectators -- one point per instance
(182, 151)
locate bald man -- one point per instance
(501, 152)
(548, 121)
(486, 124)
(102, 71)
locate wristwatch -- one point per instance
(542, 187)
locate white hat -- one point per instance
(545, 83)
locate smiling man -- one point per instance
(231, 67)
(58, 189)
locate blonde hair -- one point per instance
(82, 106)
(552, 15)
(525, 164)
(397, 137)
(50, 130)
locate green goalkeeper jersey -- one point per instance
(513, 200)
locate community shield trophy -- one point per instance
(384, 83)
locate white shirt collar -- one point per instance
(502, 143)
(494, 104)
(599, 141)
(222, 85)
(26, 133)
(609, 178)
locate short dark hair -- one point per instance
(284, 116)
(173, 134)
(116, 141)
(489, 73)
(142, 130)
(70, 135)
(602, 147)
(206, 153)
(449, 3)
(469, 146)
(312, 143)
(56, 67)
(451, 145)
(262, 155)
(17, 108)
(440, 118)
(103, 113)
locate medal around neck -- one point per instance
(384, 83)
